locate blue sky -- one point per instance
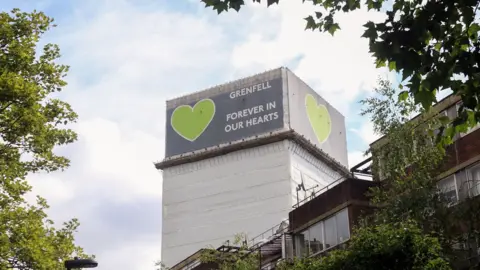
(128, 56)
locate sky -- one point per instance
(127, 57)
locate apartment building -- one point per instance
(459, 175)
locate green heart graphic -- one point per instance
(190, 122)
(319, 118)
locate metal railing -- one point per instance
(269, 234)
(320, 191)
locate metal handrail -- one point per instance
(322, 190)
(267, 234)
(275, 230)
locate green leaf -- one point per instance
(444, 120)
(334, 27)
(426, 98)
(271, 2)
(406, 73)
(392, 65)
(351, 4)
(209, 3)
(380, 63)
(403, 96)
(310, 23)
(369, 4)
(370, 32)
(473, 29)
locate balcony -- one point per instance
(349, 193)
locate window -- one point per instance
(473, 175)
(343, 227)
(448, 187)
(316, 238)
(301, 244)
(452, 112)
(463, 185)
(323, 235)
(330, 233)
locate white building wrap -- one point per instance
(312, 172)
(209, 201)
(249, 191)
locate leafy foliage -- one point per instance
(411, 163)
(31, 125)
(434, 45)
(406, 158)
(224, 5)
(242, 259)
(28, 239)
(29, 119)
(386, 246)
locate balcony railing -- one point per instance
(320, 191)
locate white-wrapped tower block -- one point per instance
(235, 154)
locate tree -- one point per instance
(32, 124)
(434, 45)
(411, 162)
(242, 259)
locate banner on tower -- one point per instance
(242, 112)
(316, 120)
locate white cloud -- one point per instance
(338, 67)
(366, 132)
(125, 157)
(143, 258)
(112, 187)
(355, 157)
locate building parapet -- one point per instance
(255, 142)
